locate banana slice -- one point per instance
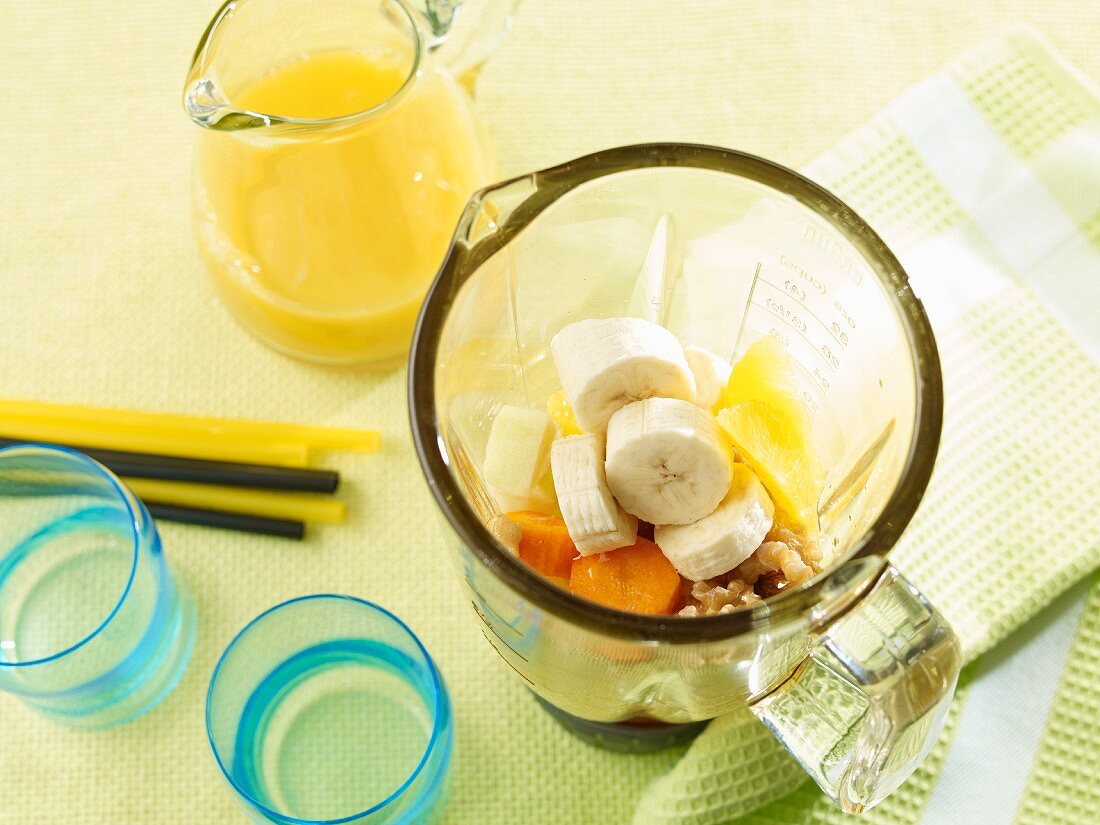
(605, 363)
(667, 462)
(711, 375)
(595, 520)
(719, 542)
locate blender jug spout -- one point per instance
(489, 211)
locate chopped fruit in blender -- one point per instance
(506, 531)
(517, 454)
(785, 557)
(605, 363)
(667, 462)
(638, 579)
(762, 410)
(764, 373)
(596, 521)
(542, 498)
(544, 543)
(717, 543)
(562, 414)
(769, 584)
(808, 550)
(773, 445)
(718, 596)
(711, 375)
(682, 481)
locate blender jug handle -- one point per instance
(864, 708)
(464, 33)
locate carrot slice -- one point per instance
(638, 579)
(544, 543)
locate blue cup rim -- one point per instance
(134, 520)
(441, 711)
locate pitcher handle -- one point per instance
(864, 708)
(464, 33)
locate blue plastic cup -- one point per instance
(327, 709)
(94, 630)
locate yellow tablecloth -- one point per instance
(104, 302)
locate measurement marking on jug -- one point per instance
(499, 619)
(832, 327)
(748, 305)
(819, 287)
(844, 314)
(792, 311)
(475, 602)
(505, 658)
(818, 383)
(826, 354)
(492, 629)
(791, 318)
(794, 289)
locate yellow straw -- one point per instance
(296, 506)
(183, 427)
(287, 455)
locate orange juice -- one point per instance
(322, 238)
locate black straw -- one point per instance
(262, 525)
(204, 471)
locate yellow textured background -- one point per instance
(103, 301)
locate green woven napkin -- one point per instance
(1062, 789)
(985, 179)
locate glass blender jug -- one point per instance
(854, 670)
(338, 148)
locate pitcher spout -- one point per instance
(210, 108)
(204, 97)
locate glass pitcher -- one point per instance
(337, 152)
(853, 670)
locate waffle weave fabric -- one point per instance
(945, 174)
